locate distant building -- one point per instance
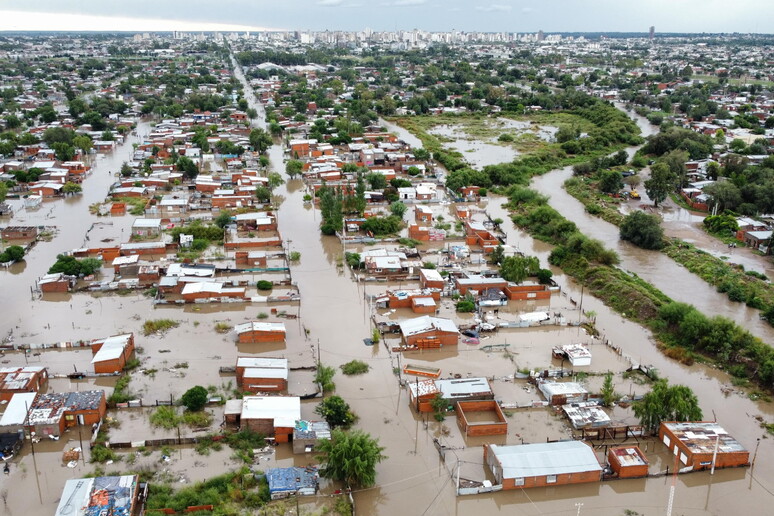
(22, 379)
(652, 33)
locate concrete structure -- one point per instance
(256, 374)
(255, 331)
(471, 422)
(112, 353)
(627, 462)
(431, 278)
(117, 495)
(696, 442)
(543, 464)
(19, 233)
(563, 393)
(56, 282)
(586, 415)
(272, 416)
(15, 414)
(421, 392)
(307, 435)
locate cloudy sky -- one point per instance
(432, 15)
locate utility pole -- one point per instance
(715, 453)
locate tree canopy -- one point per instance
(335, 411)
(661, 183)
(195, 398)
(667, 403)
(350, 457)
(643, 230)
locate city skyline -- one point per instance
(696, 16)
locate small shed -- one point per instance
(256, 331)
(307, 435)
(627, 462)
(563, 393)
(112, 353)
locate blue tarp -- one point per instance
(290, 480)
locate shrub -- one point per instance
(354, 367)
(158, 326)
(324, 376)
(265, 285)
(195, 398)
(165, 417)
(643, 230)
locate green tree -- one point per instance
(661, 183)
(643, 230)
(14, 253)
(725, 195)
(275, 179)
(107, 135)
(667, 403)
(126, 170)
(71, 266)
(262, 193)
(12, 122)
(398, 209)
(611, 182)
(63, 151)
(497, 255)
(83, 143)
(72, 188)
(517, 268)
(294, 168)
(195, 398)
(58, 134)
(223, 219)
(77, 107)
(377, 181)
(336, 412)
(608, 390)
(350, 457)
(187, 167)
(260, 140)
(3, 191)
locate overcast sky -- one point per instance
(433, 15)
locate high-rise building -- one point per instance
(541, 36)
(652, 32)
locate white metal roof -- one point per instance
(16, 410)
(557, 388)
(284, 410)
(456, 388)
(111, 348)
(259, 326)
(263, 363)
(425, 324)
(431, 274)
(537, 460)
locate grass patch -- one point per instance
(165, 417)
(355, 367)
(222, 327)
(121, 392)
(158, 326)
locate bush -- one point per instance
(158, 326)
(466, 305)
(643, 230)
(14, 253)
(336, 412)
(265, 285)
(195, 398)
(165, 417)
(544, 276)
(354, 367)
(324, 376)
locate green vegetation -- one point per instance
(608, 390)
(222, 327)
(294, 256)
(195, 398)
(207, 233)
(732, 279)
(667, 403)
(161, 326)
(336, 412)
(14, 253)
(375, 336)
(350, 457)
(324, 377)
(231, 493)
(382, 225)
(466, 304)
(355, 367)
(72, 266)
(165, 417)
(643, 230)
(121, 393)
(440, 406)
(264, 285)
(136, 204)
(517, 268)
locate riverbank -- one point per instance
(684, 333)
(738, 284)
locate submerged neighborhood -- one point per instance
(383, 272)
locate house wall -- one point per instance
(521, 292)
(109, 366)
(261, 336)
(191, 297)
(477, 429)
(637, 471)
(431, 339)
(54, 286)
(406, 302)
(561, 480)
(262, 426)
(422, 309)
(19, 233)
(480, 286)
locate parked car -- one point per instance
(634, 194)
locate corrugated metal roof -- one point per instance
(536, 460)
(284, 410)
